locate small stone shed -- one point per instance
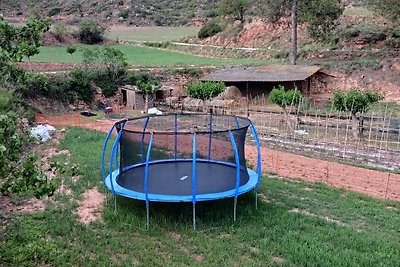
(131, 98)
(257, 81)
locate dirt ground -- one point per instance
(374, 183)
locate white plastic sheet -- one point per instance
(43, 132)
(153, 111)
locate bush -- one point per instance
(79, 86)
(60, 30)
(123, 14)
(18, 168)
(54, 11)
(36, 84)
(211, 13)
(205, 90)
(209, 29)
(284, 98)
(193, 72)
(91, 32)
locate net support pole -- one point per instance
(175, 134)
(234, 146)
(194, 181)
(146, 182)
(143, 135)
(237, 122)
(113, 151)
(210, 135)
(258, 168)
(103, 153)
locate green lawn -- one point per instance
(150, 34)
(141, 56)
(296, 224)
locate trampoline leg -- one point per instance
(194, 216)
(255, 194)
(115, 203)
(234, 209)
(148, 216)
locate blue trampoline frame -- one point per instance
(110, 179)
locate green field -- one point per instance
(141, 56)
(150, 34)
(296, 224)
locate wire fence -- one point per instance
(321, 132)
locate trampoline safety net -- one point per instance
(173, 139)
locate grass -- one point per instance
(296, 224)
(137, 55)
(151, 34)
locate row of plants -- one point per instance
(205, 90)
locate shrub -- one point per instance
(36, 84)
(205, 90)
(211, 13)
(355, 102)
(284, 98)
(60, 30)
(209, 29)
(193, 72)
(18, 168)
(91, 32)
(123, 14)
(79, 86)
(54, 11)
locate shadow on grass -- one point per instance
(167, 215)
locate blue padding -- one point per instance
(251, 184)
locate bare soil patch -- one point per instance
(90, 206)
(28, 206)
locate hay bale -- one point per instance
(230, 93)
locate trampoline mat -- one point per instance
(175, 178)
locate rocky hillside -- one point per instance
(132, 12)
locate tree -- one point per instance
(355, 102)
(147, 85)
(18, 168)
(19, 42)
(284, 99)
(293, 37)
(110, 68)
(319, 15)
(71, 49)
(236, 8)
(91, 32)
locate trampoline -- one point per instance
(181, 158)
